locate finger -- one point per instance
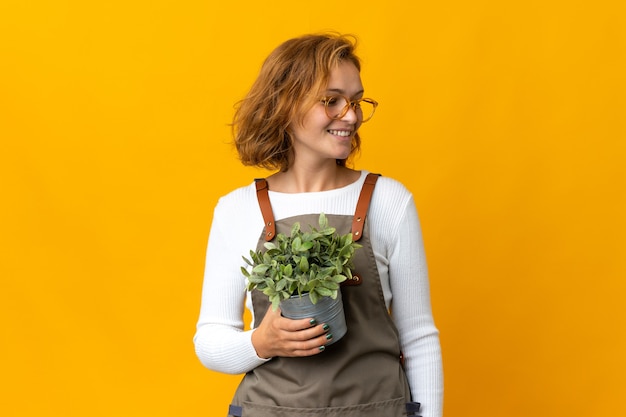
(306, 334)
(312, 346)
(294, 325)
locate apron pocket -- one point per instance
(389, 408)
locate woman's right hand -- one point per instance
(280, 336)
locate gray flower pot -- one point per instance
(326, 310)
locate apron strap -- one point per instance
(263, 196)
(412, 409)
(359, 215)
(363, 205)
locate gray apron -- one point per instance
(360, 375)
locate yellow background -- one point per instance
(505, 119)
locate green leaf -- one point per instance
(255, 279)
(313, 296)
(325, 292)
(260, 269)
(331, 285)
(270, 245)
(304, 264)
(275, 299)
(302, 280)
(295, 244)
(328, 231)
(338, 278)
(306, 246)
(323, 221)
(280, 285)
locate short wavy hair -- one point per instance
(288, 85)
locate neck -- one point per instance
(305, 179)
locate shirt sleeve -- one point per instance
(220, 341)
(412, 313)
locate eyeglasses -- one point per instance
(337, 107)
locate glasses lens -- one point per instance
(337, 107)
(365, 109)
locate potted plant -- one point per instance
(301, 273)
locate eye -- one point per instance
(331, 101)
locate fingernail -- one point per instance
(325, 327)
(313, 322)
(322, 348)
(329, 336)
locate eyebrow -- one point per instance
(340, 91)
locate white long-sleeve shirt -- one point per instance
(220, 341)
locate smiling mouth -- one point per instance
(343, 133)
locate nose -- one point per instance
(351, 115)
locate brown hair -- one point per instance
(287, 86)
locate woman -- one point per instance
(301, 118)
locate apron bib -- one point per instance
(360, 375)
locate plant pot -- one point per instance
(326, 310)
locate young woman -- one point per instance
(301, 119)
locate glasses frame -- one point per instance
(354, 104)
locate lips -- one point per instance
(343, 133)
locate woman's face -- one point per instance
(319, 138)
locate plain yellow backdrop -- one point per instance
(505, 119)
